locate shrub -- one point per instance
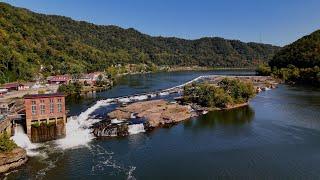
(36, 125)
(6, 144)
(263, 70)
(72, 88)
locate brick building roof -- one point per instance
(37, 96)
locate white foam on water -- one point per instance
(136, 128)
(139, 98)
(23, 141)
(204, 112)
(124, 100)
(103, 160)
(164, 93)
(78, 132)
(130, 173)
(132, 116)
(115, 121)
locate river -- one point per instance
(276, 137)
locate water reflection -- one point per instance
(238, 116)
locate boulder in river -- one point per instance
(107, 129)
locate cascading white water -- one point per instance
(124, 100)
(116, 121)
(164, 93)
(23, 141)
(139, 98)
(78, 132)
(133, 98)
(136, 128)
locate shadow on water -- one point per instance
(233, 117)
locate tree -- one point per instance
(229, 92)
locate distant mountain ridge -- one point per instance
(32, 42)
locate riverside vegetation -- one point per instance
(11, 156)
(298, 62)
(226, 94)
(6, 144)
(33, 45)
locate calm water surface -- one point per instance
(276, 137)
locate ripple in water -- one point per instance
(103, 159)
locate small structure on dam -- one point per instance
(45, 116)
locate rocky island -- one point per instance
(195, 98)
(142, 116)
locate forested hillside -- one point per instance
(298, 62)
(32, 43)
(304, 53)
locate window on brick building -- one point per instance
(42, 109)
(51, 105)
(33, 107)
(59, 105)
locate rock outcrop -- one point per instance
(106, 129)
(155, 112)
(12, 159)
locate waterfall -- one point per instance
(133, 98)
(23, 141)
(136, 128)
(78, 132)
(164, 93)
(139, 98)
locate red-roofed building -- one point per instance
(14, 86)
(59, 79)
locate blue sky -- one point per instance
(277, 22)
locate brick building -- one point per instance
(46, 109)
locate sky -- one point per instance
(277, 22)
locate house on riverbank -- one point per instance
(90, 78)
(59, 79)
(15, 86)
